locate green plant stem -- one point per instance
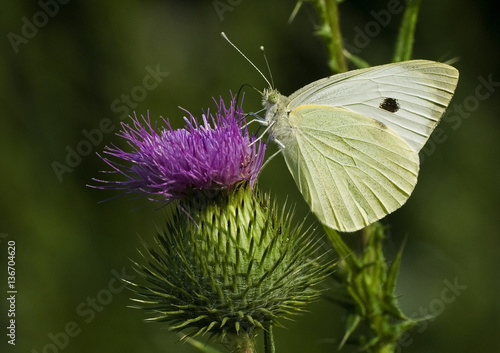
(336, 51)
(269, 340)
(367, 292)
(406, 35)
(330, 31)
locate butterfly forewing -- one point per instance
(419, 91)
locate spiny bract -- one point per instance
(229, 264)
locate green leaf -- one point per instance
(338, 244)
(296, 9)
(392, 274)
(202, 346)
(352, 324)
(356, 60)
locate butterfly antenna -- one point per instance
(247, 59)
(268, 68)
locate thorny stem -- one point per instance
(330, 31)
(338, 63)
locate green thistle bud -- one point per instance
(228, 266)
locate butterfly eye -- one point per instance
(390, 104)
(273, 97)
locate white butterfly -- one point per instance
(351, 140)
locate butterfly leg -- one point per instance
(280, 146)
(257, 118)
(268, 126)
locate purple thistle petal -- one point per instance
(216, 154)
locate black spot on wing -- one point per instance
(389, 104)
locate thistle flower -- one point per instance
(172, 164)
(243, 268)
(227, 263)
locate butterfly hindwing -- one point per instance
(351, 169)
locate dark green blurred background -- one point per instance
(70, 76)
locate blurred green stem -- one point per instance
(406, 35)
(269, 340)
(330, 32)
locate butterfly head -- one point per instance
(274, 103)
(270, 98)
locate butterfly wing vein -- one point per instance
(350, 169)
(422, 88)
